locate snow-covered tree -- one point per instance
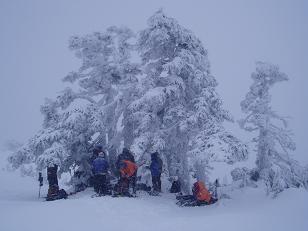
(74, 118)
(178, 112)
(274, 164)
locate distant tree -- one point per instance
(274, 164)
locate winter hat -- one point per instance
(98, 147)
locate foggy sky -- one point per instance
(34, 56)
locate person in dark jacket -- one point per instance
(156, 170)
(100, 171)
(176, 185)
(52, 178)
(95, 151)
(127, 155)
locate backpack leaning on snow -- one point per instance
(60, 194)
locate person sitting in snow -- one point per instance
(200, 192)
(176, 185)
(100, 170)
(201, 196)
(128, 171)
(156, 167)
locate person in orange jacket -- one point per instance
(128, 170)
(200, 192)
(127, 155)
(201, 196)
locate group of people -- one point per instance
(126, 171)
(126, 168)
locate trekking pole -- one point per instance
(40, 179)
(216, 185)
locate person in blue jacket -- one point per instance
(156, 170)
(100, 171)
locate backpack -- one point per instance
(128, 168)
(61, 194)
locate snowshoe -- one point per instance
(154, 193)
(123, 195)
(94, 195)
(187, 203)
(143, 187)
(185, 200)
(120, 193)
(97, 195)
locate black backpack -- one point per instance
(62, 194)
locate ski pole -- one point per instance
(40, 179)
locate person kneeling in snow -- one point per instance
(100, 170)
(201, 196)
(128, 170)
(176, 185)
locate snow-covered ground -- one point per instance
(249, 209)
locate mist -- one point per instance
(34, 54)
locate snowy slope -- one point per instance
(250, 209)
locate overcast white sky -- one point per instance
(34, 55)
